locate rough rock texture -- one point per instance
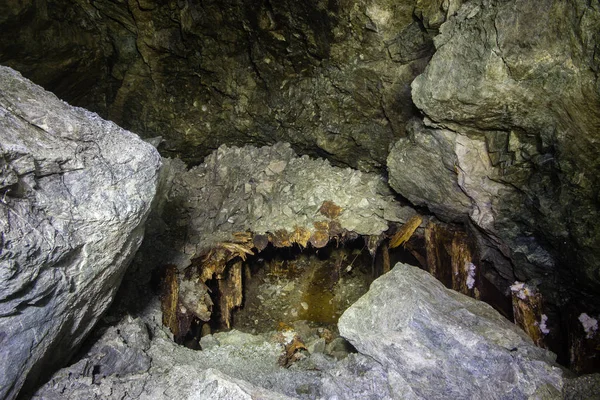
(423, 167)
(585, 387)
(416, 340)
(438, 344)
(75, 191)
(331, 77)
(271, 190)
(512, 98)
(236, 365)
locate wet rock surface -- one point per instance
(312, 286)
(436, 343)
(238, 203)
(75, 191)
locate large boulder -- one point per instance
(439, 344)
(75, 191)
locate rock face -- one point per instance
(331, 77)
(439, 344)
(512, 113)
(75, 191)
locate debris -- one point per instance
(386, 258)
(230, 293)
(292, 349)
(301, 236)
(175, 315)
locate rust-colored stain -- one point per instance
(169, 299)
(280, 238)
(330, 209)
(319, 239)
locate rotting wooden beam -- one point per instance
(584, 341)
(231, 293)
(175, 315)
(464, 271)
(170, 299)
(438, 245)
(385, 251)
(528, 312)
(452, 258)
(406, 231)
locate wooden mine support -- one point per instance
(528, 312)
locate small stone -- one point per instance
(317, 346)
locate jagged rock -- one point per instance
(437, 344)
(517, 84)
(416, 340)
(423, 168)
(75, 192)
(270, 190)
(236, 366)
(331, 77)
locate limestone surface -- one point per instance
(438, 344)
(235, 365)
(75, 191)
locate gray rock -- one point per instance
(269, 190)
(517, 82)
(423, 168)
(586, 387)
(122, 350)
(339, 348)
(316, 346)
(75, 192)
(208, 342)
(439, 344)
(357, 377)
(242, 366)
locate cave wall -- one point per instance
(523, 101)
(498, 132)
(509, 145)
(331, 76)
